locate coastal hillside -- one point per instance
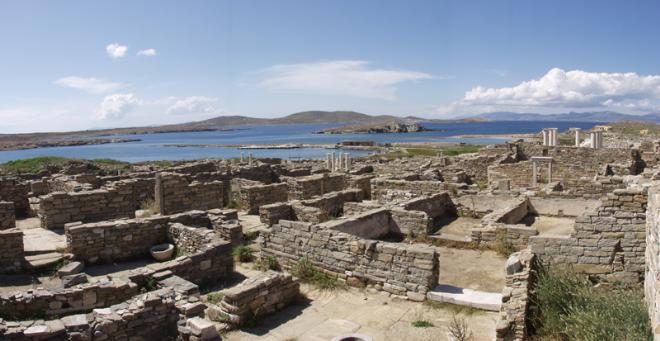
(597, 116)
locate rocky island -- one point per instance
(377, 128)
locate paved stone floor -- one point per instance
(460, 227)
(38, 240)
(250, 222)
(474, 269)
(331, 313)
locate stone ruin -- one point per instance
(393, 226)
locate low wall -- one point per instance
(370, 225)
(12, 256)
(560, 207)
(519, 279)
(399, 190)
(260, 295)
(361, 182)
(512, 213)
(254, 196)
(150, 316)
(13, 190)
(396, 268)
(479, 205)
(174, 193)
(111, 241)
(307, 187)
(436, 206)
(82, 298)
(59, 208)
(7, 215)
(609, 242)
(315, 210)
(516, 235)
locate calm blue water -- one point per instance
(152, 146)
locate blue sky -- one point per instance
(86, 64)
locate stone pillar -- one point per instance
(328, 162)
(592, 136)
(554, 137)
(242, 157)
(334, 162)
(534, 173)
(550, 171)
(347, 162)
(546, 138)
(599, 139)
(577, 137)
(250, 159)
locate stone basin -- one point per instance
(162, 252)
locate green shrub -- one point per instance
(214, 297)
(243, 254)
(565, 306)
(503, 247)
(149, 207)
(268, 263)
(251, 235)
(308, 273)
(422, 324)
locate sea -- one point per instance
(159, 146)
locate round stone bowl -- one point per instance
(353, 337)
(162, 252)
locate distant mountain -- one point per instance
(597, 116)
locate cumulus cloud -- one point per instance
(193, 105)
(115, 106)
(147, 53)
(115, 50)
(572, 89)
(355, 78)
(90, 84)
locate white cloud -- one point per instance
(115, 106)
(340, 77)
(115, 50)
(91, 85)
(147, 53)
(193, 105)
(571, 89)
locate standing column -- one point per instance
(332, 166)
(555, 137)
(600, 139)
(545, 136)
(592, 137)
(328, 161)
(550, 171)
(577, 137)
(533, 173)
(250, 159)
(242, 157)
(348, 162)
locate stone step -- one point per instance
(44, 260)
(466, 297)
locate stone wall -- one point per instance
(571, 166)
(174, 193)
(307, 187)
(410, 223)
(436, 206)
(361, 182)
(317, 210)
(400, 190)
(520, 278)
(652, 272)
(150, 316)
(260, 295)
(84, 297)
(12, 257)
(59, 208)
(373, 224)
(396, 268)
(608, 243)
(13, 190)
(111, 241)
(261, 173)
(255, 196)
(7, 215)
